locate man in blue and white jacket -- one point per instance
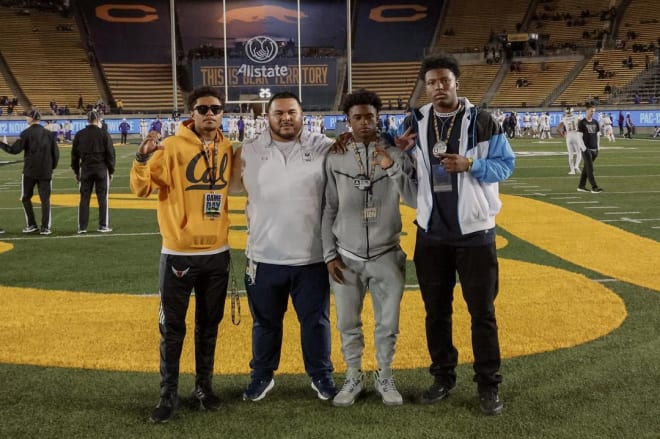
(461, 154)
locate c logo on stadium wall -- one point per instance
(147, 13)
(261, 49)
(398, 13)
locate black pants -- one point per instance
(98, 179)
(44, 186)
(477, 267)
(124, 137)
(209, 276)
(588, 159)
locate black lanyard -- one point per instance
(212, 161)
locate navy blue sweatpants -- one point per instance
(268, 296)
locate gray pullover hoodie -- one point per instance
(343, 225)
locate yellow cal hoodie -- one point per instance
(180, 173)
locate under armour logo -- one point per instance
(180, 273)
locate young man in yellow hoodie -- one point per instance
(191, 171)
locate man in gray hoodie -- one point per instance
(360, 229)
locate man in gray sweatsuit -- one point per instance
(360, 228)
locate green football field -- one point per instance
(566, 384)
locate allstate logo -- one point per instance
(261, 49)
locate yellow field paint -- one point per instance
(583, 241)
(5, 247)
(539, 309)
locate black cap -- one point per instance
(34, 114)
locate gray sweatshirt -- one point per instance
(364, 223)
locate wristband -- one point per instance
(141, 158)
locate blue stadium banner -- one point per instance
(12, 127)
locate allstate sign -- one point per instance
(261, 49)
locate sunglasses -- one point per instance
(203, 109)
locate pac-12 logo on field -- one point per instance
(261, 49)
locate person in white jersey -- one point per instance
(608, 130)
(568, 127)
(282, 172)
(544, 125)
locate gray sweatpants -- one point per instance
(384, 277)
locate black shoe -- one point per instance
(258, 388)
(582, 189)
(325, 388)
(596, 190)
(203, 398)
(164, 411)
(436, 393)
(490, 402)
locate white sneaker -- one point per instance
(104, 229)
(384, 382)
(353, 386)
(30, 229)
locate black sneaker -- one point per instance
(490, 402)
(164, 411)
(325, 388)
(203, 398)
(596, 190)
(436, 393)
(582, 189)
(45, 231)
(258, 388)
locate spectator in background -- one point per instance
(630, 126)
(124, 128)
(41, 157)
(93, 163)
(157, 125)
(67, 127)
(621, 121)
(569, 129)
(241, 128)
(589, 129)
